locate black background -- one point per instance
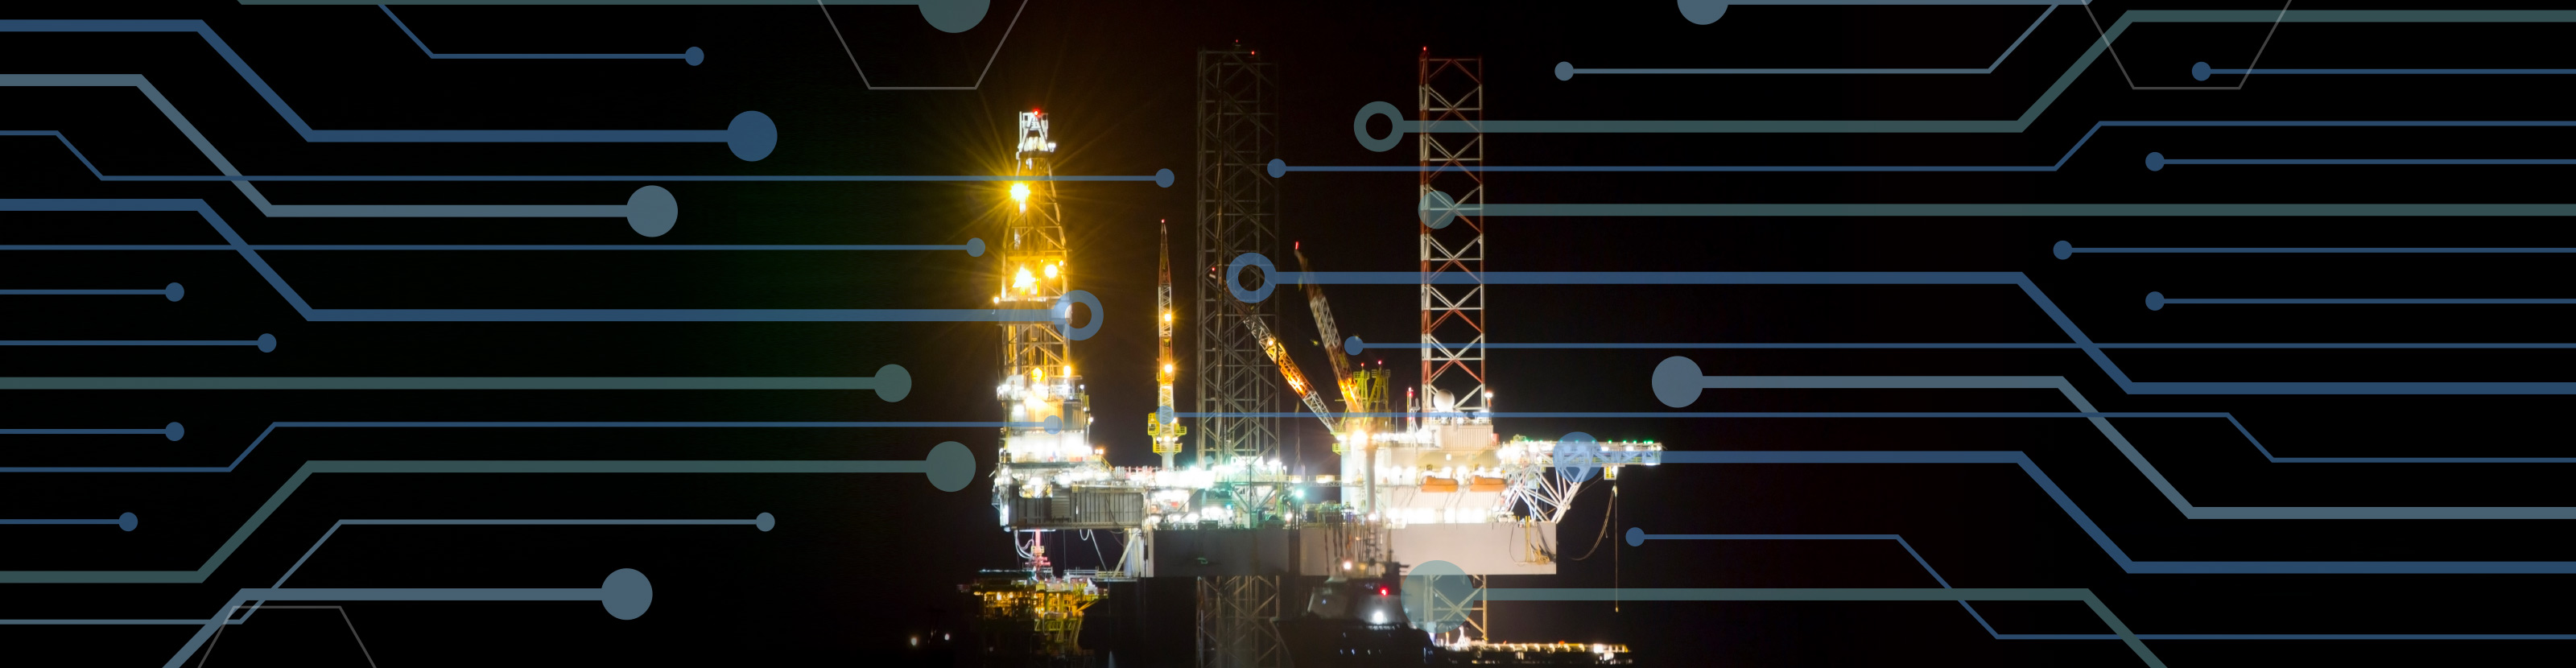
(860, 564)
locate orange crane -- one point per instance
(1363, 390)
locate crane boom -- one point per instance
(1165, 430)
(1288, 368)
(1332, 334)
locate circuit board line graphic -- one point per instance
(310, 313)
(1567, 71)
(751, 137)
(2014, 279)
(1637, 537)
(274, 426)
(2028, 116)
(949, 466)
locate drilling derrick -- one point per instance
(1040, 394)
(1046, 477)
(1164, 426)
(1238, 212)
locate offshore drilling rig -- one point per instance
(1433, 495)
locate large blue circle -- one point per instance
(1234, 278)
(1436, 209)
(651, 211)
(1394, 132)
(1577, 456)
(950, 466)
(893, 383)
(1702, 12)
(626, 594)
(1677, 381)
(1064, 315)
(1433, 582)
(754, 136)
(955, 16)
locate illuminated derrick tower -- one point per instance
(1038, 382)
(1048, 476)
(1162, 425)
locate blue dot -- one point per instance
(651, 211)
(1163, 177)
(1577, 456)
(1163, 415)
(267, 343)
(954, 15)
(2200, 71)
(893, 383)
(2155, 301)
(626, 594)
(754, 135)
(1278, 168)
(764, 522)
(1564, 71)
(1052, 424)
(2062, 250)
(2155, 162)
(693, 56)
(1353, 346)
(1636, 536)
(950, 466)
(173, 431)
(173, 291)
(1436, 209)
(974, 248)
(126, 521)
(1677, 381)
(1436, 579)
(1702, 12)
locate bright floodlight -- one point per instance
(1020, 192)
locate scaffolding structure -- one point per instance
(1453, 316)
(1238, 212)
(1235, 622)
(1452, 91)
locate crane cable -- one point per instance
(1605, 523)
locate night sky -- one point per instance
(861, 564)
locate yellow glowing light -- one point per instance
(1019, 192)
(1037, 375)
(1050, 270)
(1025, 282)
(1167, 316)
(1167, 367)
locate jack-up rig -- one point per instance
(1435, 494)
